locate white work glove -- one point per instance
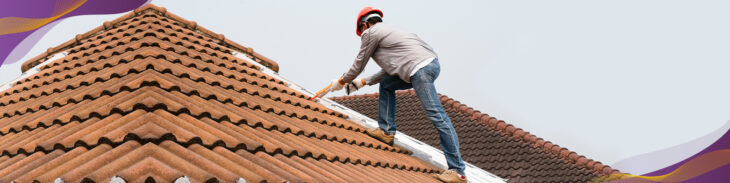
(333, 86)
(337, 85)
(354, 85)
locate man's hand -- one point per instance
(354, 85)
(337, 85)
(333, 86)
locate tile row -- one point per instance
(180, 24)
(216, 106)
(499, 148)
(167, 161)
(180, 66)
(111, 50)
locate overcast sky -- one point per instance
(607, 79)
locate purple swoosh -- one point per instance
(649, 162)
(27, 8)
(43, 8)
(717, 175)
(22, 48)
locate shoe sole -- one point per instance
(381, 140)
(436, 176)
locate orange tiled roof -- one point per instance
(487, 142)
(204, 37)
(153, 96)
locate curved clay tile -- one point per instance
(151, 96)
(492, 144)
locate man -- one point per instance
(406, 62)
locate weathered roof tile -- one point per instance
(152, 96)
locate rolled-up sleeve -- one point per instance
(368, 46)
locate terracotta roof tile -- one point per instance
(171, 21)
(151, 96)
(487, 142)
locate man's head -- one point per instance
(368, 21)
(367, 17)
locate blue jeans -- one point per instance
(422, 83)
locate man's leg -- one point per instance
(386, 102)
(426, 91)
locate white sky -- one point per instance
(607, 79)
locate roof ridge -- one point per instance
(161, 11)
(183, 93)
(509, 130)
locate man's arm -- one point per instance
(375, 78)
(367, 47)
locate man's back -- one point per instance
(398, 51)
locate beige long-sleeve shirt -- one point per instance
(396, 51)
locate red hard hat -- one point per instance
(363, 12)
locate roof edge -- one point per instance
(510, 130)
(161, 11)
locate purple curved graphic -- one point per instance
(711, 164)
(652, 161)
(39, 9)
(716, 175)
